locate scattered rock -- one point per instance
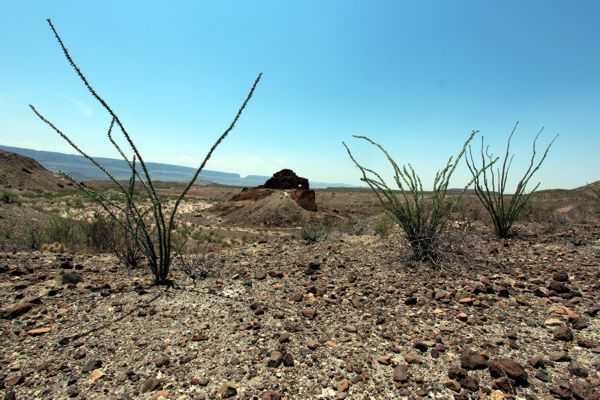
(150, 384)
(229, 389)
(561, 276)
(162, 361)
(452, 385)
(91, 365)
(17, 310)
(71, 278)
(275, 359)
(38, 331)
(563, 333)
(400, 374)
(472, 360)
(508, 368)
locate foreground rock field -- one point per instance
(348, 317)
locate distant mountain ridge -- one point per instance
(80, 168)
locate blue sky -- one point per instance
(416, 76)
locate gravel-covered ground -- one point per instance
(348, 317)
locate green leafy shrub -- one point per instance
(422, 223)
(491, 185)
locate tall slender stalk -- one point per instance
(491, 185)
(154, 236)
(407, 205)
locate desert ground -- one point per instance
(286, 303)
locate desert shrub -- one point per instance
(192, 260)
(422, 223)
(65, 231)
(354, 227)
(147, 222)
(98, 232)
(313, 232)
(34, 237)
(491, 185)
(6, 197)
(384, 224)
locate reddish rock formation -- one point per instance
(305, 198)
(283, 184)
(286, 179)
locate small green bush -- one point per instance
(354, 227)
(384, 224)
(63, 230)
(312, 233)
(6, 197)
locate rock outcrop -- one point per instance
(285, 199)
(286, 179)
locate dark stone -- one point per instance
(400, 373)
(509, 368)
(16, 310)
(579, 323)
(411, 301)
(578, 370)
(91, 365)
(542, 375)
(470, 383)
(457, 373)
(11, 395)
(505, 384)
(563, 333)
(471, 360)
(558, 287)
(561, 276)
(162, 361)
(559, 356)
(66, 265)
(71, 278)
(286, 179)
(288, 360)
(150, 384)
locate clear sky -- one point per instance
(416, 76)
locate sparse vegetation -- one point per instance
(150, 225)
(422, 223)
(355, 227)
(491, 185)
(384, 224)
(193, 262)
(314, 232)
(6, 197)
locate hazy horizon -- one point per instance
(416, 77)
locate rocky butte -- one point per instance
(285, 180)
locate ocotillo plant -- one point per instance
(151, 227)
(423, 226)
(491, 185)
